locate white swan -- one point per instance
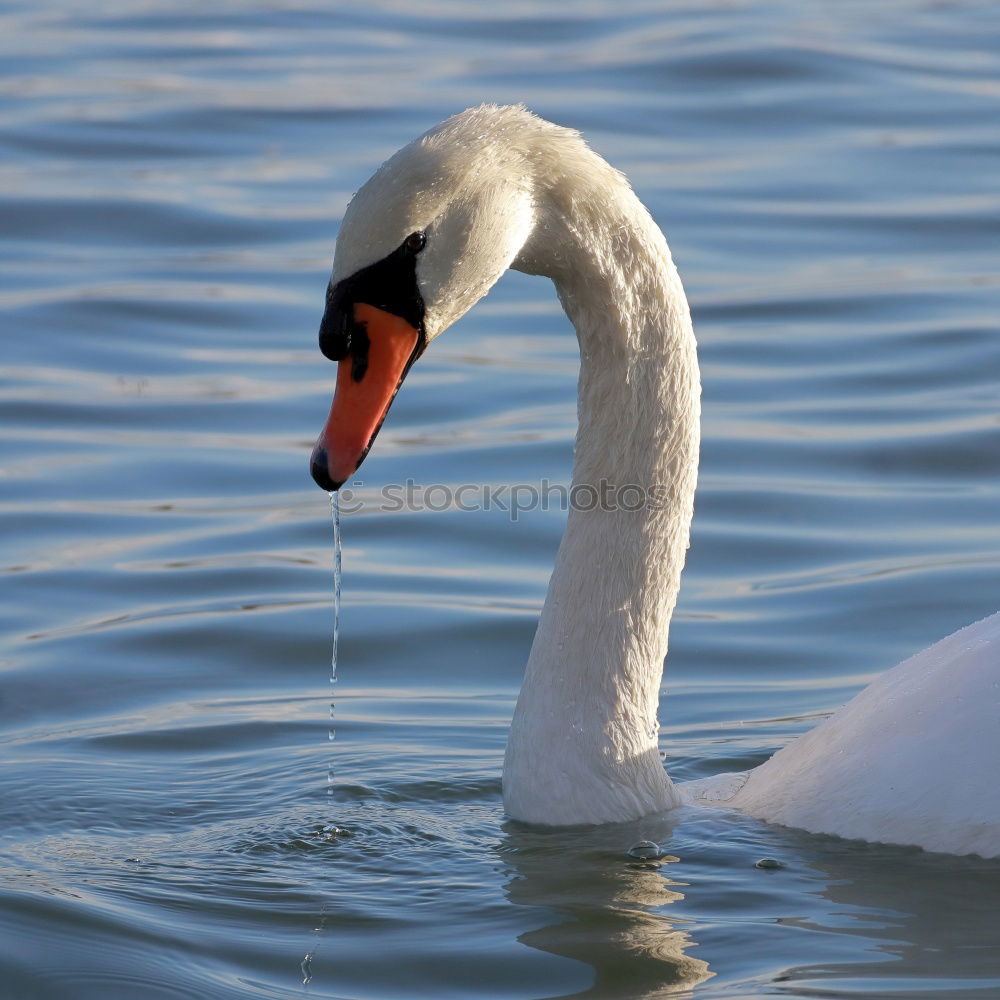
(913, 759)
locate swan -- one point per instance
(912, 759)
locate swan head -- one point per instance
(421, 242)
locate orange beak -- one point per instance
(364, 394)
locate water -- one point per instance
(337, 574)
(172, 180)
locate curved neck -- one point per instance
(584, 741)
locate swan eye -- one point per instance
(415, 242)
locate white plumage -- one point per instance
(911, 760)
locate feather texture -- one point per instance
(911, 760)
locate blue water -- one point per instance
(171, 181)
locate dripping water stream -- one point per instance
(332, 732)
(330, 831)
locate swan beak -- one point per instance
(383, 347)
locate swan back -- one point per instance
(912, 759)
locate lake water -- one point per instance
(173, 176)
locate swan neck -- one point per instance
(584, 742)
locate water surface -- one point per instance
(171, 183)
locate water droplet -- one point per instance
(645, 850)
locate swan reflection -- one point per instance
(606, 910)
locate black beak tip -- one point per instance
(320, 471)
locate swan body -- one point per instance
(909, 760)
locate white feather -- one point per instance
(911, 760)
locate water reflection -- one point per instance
(897, 920)
(932, 915)
(608, 911)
